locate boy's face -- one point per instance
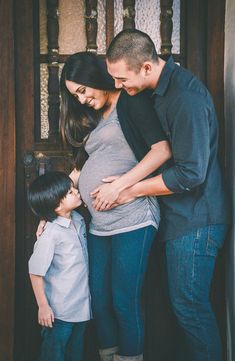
(71, 201)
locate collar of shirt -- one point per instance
(62, 221)
(65, 222)
(164, 79)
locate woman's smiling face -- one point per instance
(93, 98)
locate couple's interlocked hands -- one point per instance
(108, 196)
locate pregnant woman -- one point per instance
(120, 239)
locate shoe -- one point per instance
(107, 354)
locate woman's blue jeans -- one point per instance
(117, 268)
(63, 342)
(190, 266)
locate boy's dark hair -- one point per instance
(46, 192)
(133, 46)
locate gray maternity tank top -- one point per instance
(110, 154)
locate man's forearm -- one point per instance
(154, 186)
(149, 187)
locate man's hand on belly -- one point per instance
(108, 196)
(124, 197)
(104, 196)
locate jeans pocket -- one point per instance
(215, 239)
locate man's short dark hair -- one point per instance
(46, 192)
(133, 46)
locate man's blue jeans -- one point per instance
(190, 266)
(117, 269)
(63, 342)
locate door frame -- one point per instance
(7, 181)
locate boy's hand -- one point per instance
(45, 316)
(40, 228)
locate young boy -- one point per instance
(58, 268)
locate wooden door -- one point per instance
(7, 181)
(36, 155)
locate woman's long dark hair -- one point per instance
(78, 120)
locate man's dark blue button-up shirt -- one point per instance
(187, 115)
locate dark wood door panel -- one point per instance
(7, 181)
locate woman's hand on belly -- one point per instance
(124, 197)
(105, 195)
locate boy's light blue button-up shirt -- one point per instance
(60, 256)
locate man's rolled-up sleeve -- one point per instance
(188, 119)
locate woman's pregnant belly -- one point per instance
(127, 215)
(97, 168)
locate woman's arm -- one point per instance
(107, 194)
(45, 313)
